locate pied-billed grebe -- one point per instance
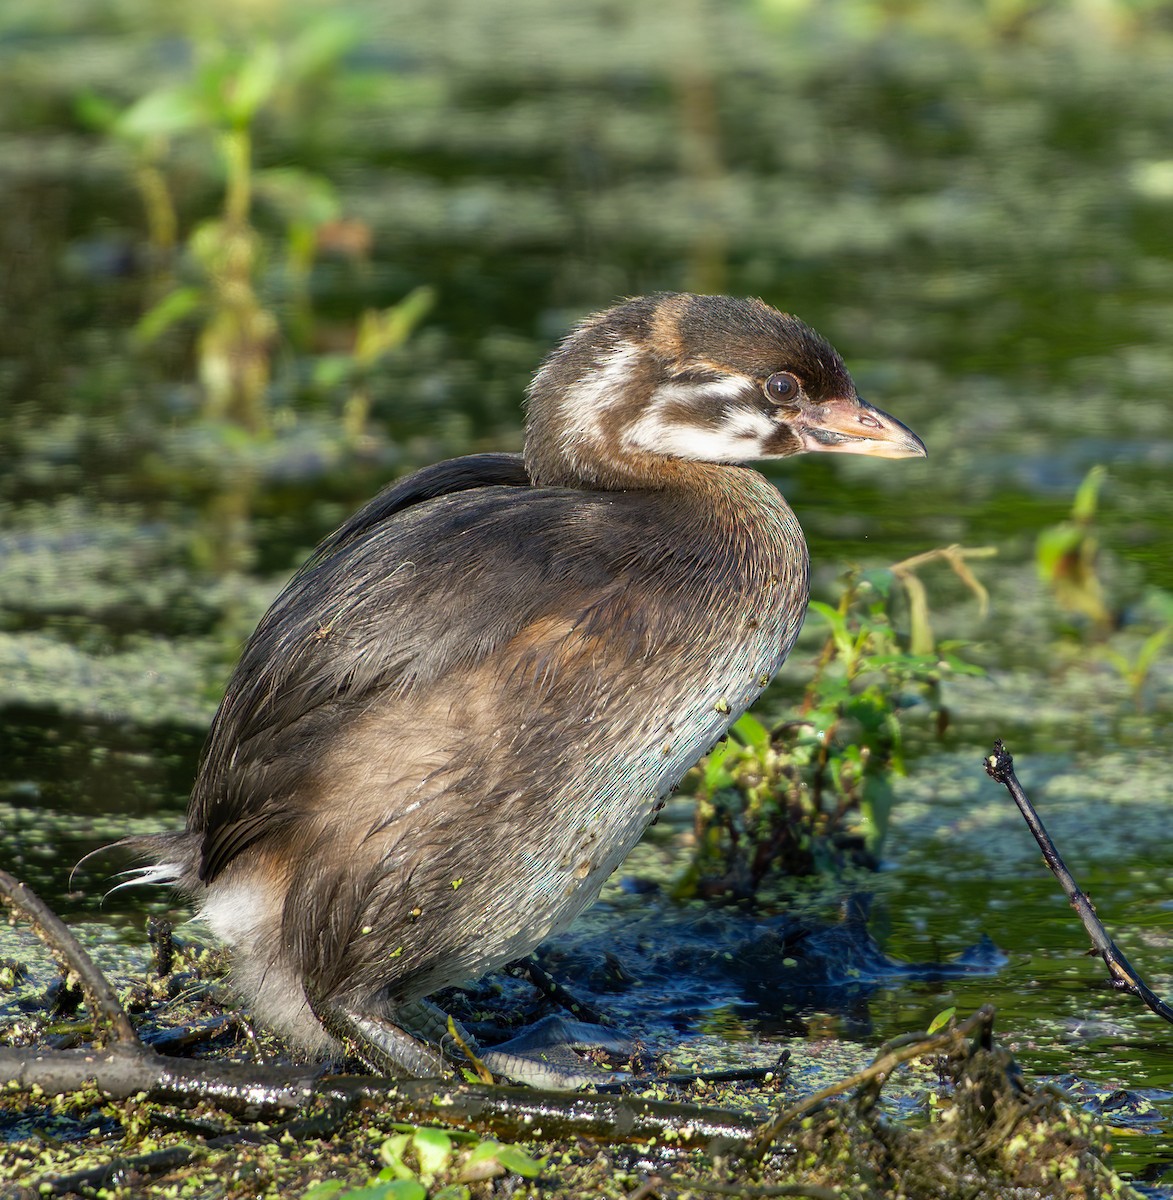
(463, 711)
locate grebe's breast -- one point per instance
(704, 624)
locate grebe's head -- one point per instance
(703, 378)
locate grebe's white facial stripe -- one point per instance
(604, 385)
(740, 437)
(730, 387)
(602, 388)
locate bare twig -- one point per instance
(111, 1024)
(657, 1185)
(322, 1124)
(745, 1191)
(920, 632)
(1000, 767)
(529, 969)
(125, 1069)
(156, 1162)
(505, 1112)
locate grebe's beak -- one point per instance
(852, 426)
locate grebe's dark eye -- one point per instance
(782, 387)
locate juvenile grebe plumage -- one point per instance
(462, 712)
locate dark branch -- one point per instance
(127, 1067)
(1000, 768)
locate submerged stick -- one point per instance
(505, 1112)
(1000, 768)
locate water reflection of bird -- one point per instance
(465, 708)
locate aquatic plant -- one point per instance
(248, 289)
(421, 1157)
(817, 789)
(1068, 562)
(221, 102)
(1135, 668)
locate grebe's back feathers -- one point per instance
(439, 479)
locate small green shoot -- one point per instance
(1135, 670)
(1066, 556)
(416, 1160)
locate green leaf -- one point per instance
(176, 305)
(321, 45)
(717, 773)
(162, 113)
(391, 1154)
(381, 331)
(909, 662)
(831, 615)
(490, 1158)
(433, 1149)
(832, 692)
(1083, 508)
(96, 111)
(751, 732)
(1150, 648)
(876, 808)
(298, 194)
(880, 578)
(396, 1189)
(253, 84)
(332, 370)
(942, 1019)
(960, 667)
(1053, 546)
(405, 1189)
(515, 1159)
(454, 1191)
(320, 1191)
(484, 1152)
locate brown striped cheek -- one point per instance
(782, 442)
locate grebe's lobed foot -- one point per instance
(549, 1054)
(382, 1044)
(552, 1053)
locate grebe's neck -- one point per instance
(577, 411)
